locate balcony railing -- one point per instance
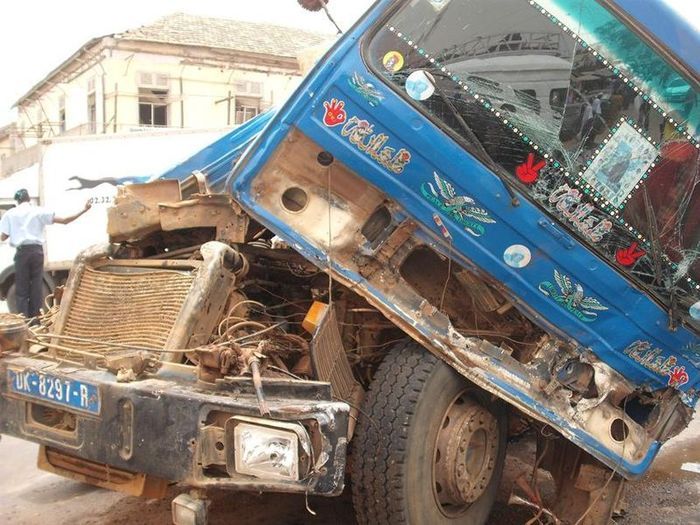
(506, 44)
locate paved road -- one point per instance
(666, 496)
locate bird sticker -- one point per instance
(367, 90)
(571, 296)
(461, 208)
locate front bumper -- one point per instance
(172, 427)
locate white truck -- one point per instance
(72, 170)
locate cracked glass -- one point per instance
(575, 110)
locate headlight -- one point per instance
(268, 449)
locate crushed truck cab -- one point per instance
(473, 221)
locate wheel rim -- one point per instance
(465, 455)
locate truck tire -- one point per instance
(429, 447)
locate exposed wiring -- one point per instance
(255, 334)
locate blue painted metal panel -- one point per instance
(631, 315)
(667, 26)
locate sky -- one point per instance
(37, 35)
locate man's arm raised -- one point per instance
(71, 218)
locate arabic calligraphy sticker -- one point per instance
(695, 311)
(420, 85)
(393, 61)
(517, 256)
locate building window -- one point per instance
(246, 110)
(92, 113)
(62, 115)
(248, 87)
(153, 107)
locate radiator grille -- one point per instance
(138, 308)
(330, 360)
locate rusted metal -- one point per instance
(131, 366)
(588, 492)
(105, 476)
(217, 361)
(142, 209)
(135, 212)
(137, 308)
(211, 446)
(13, 332)
(145, 304)
(540, 510)
(172, 407)
(206, 301)
(330, 363)
(194, 184)
(212, 210)
(254, 364)
(148, 263)
(465, 454)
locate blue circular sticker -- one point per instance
(695, 311)
(517, 256)
(420, 85)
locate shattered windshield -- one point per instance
(578, 111)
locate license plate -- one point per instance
(44, 386)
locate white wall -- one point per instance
(202, 85)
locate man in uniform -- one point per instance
(24, 225)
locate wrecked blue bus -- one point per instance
(474, 220)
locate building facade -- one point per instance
(182, 71)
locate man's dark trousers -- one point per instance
(29, 276)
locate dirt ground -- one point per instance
(666, 495)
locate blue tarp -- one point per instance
(216, 160)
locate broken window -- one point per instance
(153, 107)
(590, 122)
(246, 109)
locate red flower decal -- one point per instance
(528, 171)
(628, 256)
(677, 377)
(335, 112)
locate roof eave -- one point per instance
(54, 72)
(280, 61)
(203, 46)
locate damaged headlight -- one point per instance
(266, 453)
(268, 449)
